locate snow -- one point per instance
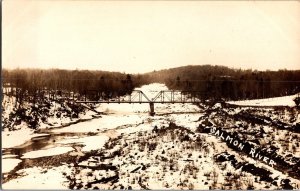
(152, 89)
(38, 178)
(103, 123)
(135, 126)
(90, 143)
(124, 108)
(88, 115)
(58, 122)
(276, 101)
(8, 156)
(47, 152)
(12, 139)
(139, 128)
(186, 120)
(8, 105)
(9, 164)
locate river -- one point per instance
(45, 157)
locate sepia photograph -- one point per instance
(150, 95)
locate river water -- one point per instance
(43, 158)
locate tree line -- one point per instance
(234, 84)
(30, 82)
(214, 81)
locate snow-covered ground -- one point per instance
(121, 118)
(9, 164)
(90, 143)
(127, 148)
(40, 178)
(103, 123)
(276, 101)
(15, 138)
(47, 152)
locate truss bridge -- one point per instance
(138, 96)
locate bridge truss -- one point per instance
(138, 96)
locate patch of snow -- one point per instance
(90, 143)
(88, 115)
(38, 178)
(8, 156)
(47, 152)
(15, 138)
(133, 129)
(276, 101)
(217, 105)
(9, 164)
(124, 108)
(104, 123)
(186, 120)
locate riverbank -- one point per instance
(19, 137)
(129, 149)
(47, 113)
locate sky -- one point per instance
(142, 36)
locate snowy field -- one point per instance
(276, 101)
(176, 149)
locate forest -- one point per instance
(218, 82)
(24, 83)
(230, 84)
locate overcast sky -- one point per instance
(137, 37)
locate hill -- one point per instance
(228, 83)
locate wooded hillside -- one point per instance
(223, 82)
(213, 81)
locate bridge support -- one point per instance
(151, 108)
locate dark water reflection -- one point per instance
(39, 143)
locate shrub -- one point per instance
(297, 101)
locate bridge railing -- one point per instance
(138, 96)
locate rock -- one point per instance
(285, 183)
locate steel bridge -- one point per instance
(138, 96)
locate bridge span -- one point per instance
(138, 96)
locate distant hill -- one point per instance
(221, 81)
(214, 81)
